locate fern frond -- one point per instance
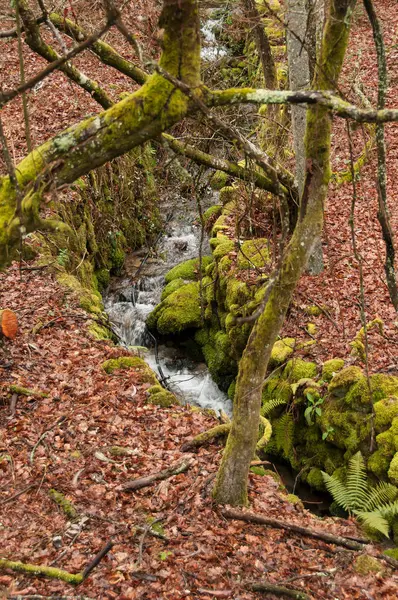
(375, 520)
(337, 489)
(356, 483)
(389, 510)
(284, 432)
(269, 406)
(380, 495)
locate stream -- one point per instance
(132, 298)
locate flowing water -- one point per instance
(134, 298)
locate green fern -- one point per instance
(372, 506)
(284, 432)
(270, 405)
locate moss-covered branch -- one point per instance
(41, 570)
(325, 98)
(104, 51)
(89, 144)
(260, 179)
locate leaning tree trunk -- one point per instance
(143, 115)
(231, 482)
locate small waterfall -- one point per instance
(129, 305)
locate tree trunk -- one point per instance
(231, 482)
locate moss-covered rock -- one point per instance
(393, 470)
(366, 565)
(297, 369)
(315, 479)
(178, 312)
(281, 351)
(253, 254)
(171, 287)
(131, 362)
(343, 380)
(99, 332)
(385, 412)
(90, 301)
(188, 270)
(359, 394)
(227, 194)
(219, 180)
(212, 213)
(223, 249)
(159, 396)
(331, 367)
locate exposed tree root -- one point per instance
(312, 533)
(141, 482)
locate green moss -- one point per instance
(219, 239)
(295, 500)
(161, 397)
(188, 270)
(89, 301)
(171, 287)
(212, 212)
(131, 362)
(382, 386)
(313, 311)
(103, 278)
(311, 328)
(297, 369)
(253, 253)
(219, 180)
(223, 249)
(281, 351)
(178, 312)
(237, 292)
(343, 380)
(227, 194)
(99, 332)
(366, 565)
(231, 390)
(65, 505)
(393, 470)
(315, 479)
(220, 225)
(385, 411)
(392, 552)
(331, 367)
(258, 470)
(379, 462)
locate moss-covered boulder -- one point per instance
(343, 380)
(331, 367)
(368, 565)
(178, 312)
(281, 351)
(171, 287)
(385, 412)
(159, 396)
(253, 254)
(219, 180)
(297, 369)
(131, 362)
(188, 270)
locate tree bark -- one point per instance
(231, 483)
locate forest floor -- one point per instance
(64, 441)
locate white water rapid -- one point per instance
(131, 302)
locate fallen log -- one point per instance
(278, 590)
(329, 538)
(53, 572)
(206, 436)
(141, 482)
